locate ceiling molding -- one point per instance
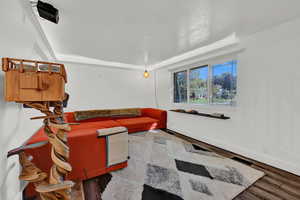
(188, 57)
(92, 61)
(27, 7)
(232, 51)
(226, 42)
(218, 45)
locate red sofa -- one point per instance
(87, 152)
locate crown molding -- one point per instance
(185, 57)
(227, 42)
(63, 57)
(218, 54)
(188, 57)
(91, 61)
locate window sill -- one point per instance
(223, 117)
(211, 108)
(206, 105)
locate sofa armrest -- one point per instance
(160, 115)
(69, 117)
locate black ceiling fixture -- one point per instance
(48, 12)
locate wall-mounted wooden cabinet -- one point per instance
(27, 80)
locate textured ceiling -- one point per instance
(139, 31)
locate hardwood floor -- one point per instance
(275, 185)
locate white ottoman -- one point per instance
(116, 144)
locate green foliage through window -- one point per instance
(224, 82)
(214, 84)
(180, 87)
(199, 85)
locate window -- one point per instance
(199, 85)
(180, 87)
(209, 84)
(224, 82)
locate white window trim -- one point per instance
(209, 104)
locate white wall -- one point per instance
(19, 39)
(265, 123)
(99, 87)
(90, 87)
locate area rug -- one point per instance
(165, 167)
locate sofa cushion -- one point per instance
(76, 130)
(90, 114)
(69, 117)
(99, 124)
(90, 128)
(137, 122)
(160, 115)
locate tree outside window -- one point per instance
(199, 85)
(180, 87)
(224, 78)
(209, 84)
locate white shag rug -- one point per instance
(165, 167)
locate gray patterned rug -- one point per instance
(165, 167)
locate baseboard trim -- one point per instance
(254, 156)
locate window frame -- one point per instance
(209, 84)
(173, 82)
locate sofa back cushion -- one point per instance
(106, 114)
(69, 117)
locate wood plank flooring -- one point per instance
(275, 185)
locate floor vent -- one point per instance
(241, 160)
(197, 147)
